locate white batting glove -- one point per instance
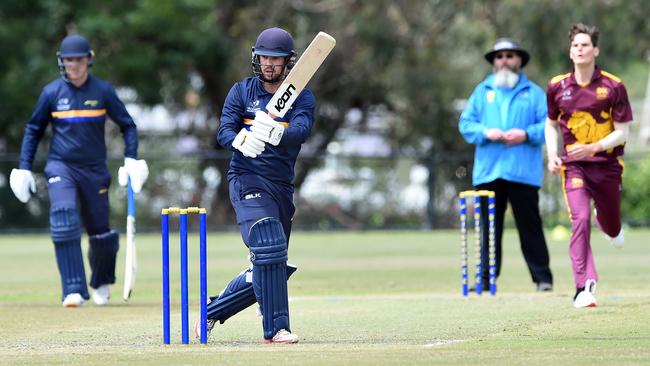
(248, 144)
(266, 129)
(137, 170)
(22, 183)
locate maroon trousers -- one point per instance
(582, 183)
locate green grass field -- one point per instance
(376, 298)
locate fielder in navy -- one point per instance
(261, 189)
(76, 105)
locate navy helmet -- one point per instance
(275, 42)
(74, 46)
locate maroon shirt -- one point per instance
(586, 112)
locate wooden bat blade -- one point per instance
(317, 51)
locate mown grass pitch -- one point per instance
(375, 298)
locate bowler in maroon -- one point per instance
(591, 108)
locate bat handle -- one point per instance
(130, 199)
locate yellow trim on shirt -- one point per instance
(559, 78)
(80, 113)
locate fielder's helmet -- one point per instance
(275, 42)
(507, 44)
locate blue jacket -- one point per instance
(523, 107)
(78, 116)
(276, 163)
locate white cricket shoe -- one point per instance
(618, 241)
(283, 337)
(197, 327)
(73, 300)
(586, 298)
(101, 295)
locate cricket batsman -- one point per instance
(261, 184)
(76, 105)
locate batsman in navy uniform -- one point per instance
(261, 184)
(76, 105)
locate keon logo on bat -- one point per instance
(282, 101)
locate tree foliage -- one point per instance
(414, 59)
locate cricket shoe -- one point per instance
(586, 298)
(101, 295)
(283, 337)
(73, 300)
(197, 328)
(618, 241)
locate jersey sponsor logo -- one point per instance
(252, 195)
(577, 182)
(253, 107)
(282, 102)
(490, 96)
(602, 92)
(91, 103)
(53, 180)
(63, 104)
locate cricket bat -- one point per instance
(130, 265)
(300, 74)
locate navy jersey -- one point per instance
(276, 163)
(77, 116)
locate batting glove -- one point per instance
(266, 129)
(22, 183)
(137, 170)
(248, 144)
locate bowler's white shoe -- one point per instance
(101, 295)
(618, 241)
(283, 337)
(586, 298)
(73, 300)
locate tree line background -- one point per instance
(408, 63)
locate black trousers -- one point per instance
(524, 200)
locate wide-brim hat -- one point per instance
(508, 44)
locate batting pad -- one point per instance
(71, 268)
(268, 247)
(237, 296)
(102, 253)
(64, 224)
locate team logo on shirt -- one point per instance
(490, 96)
(91, 103)
(586, 129)
(566, 95)
(602, 92)
(63, 104)
(253, 107)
